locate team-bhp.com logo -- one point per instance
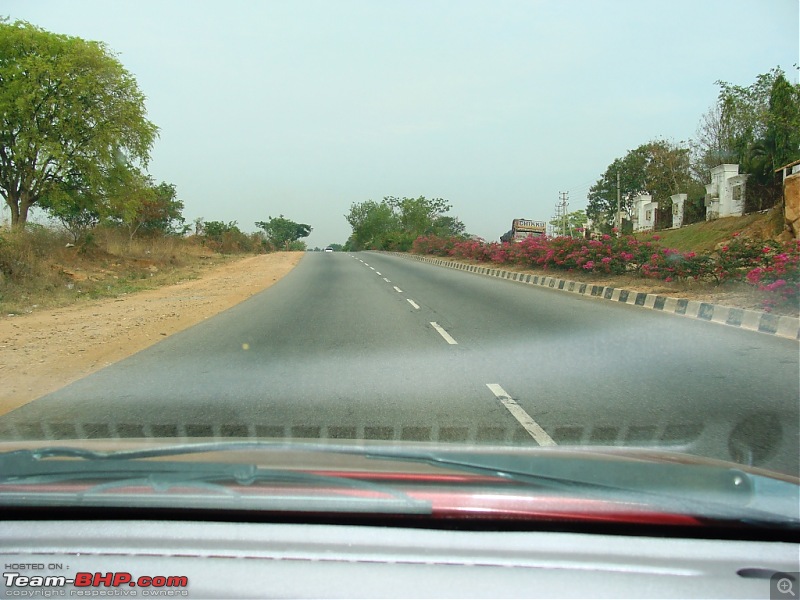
(91, 584)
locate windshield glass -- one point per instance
(467, 259)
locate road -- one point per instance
(376, 346)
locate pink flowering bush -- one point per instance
(778, 273)
(767, 265)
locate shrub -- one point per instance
(769, 265)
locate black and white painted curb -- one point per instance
(753, 320)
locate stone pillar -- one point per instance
(791, 206)
(677, 209)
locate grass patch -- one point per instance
(706, 236)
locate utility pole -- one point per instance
(561, 212)
(619, 209)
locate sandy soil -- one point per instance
(45, 350)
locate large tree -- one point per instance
(755, 126)
(283, 232)
(70, 112)
(371, 222)
(660, 168)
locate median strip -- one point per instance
(524, 419)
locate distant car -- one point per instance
(328, 249)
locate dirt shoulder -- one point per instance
(47, 349)
(736, 295)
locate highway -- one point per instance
(375, 346)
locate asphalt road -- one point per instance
(375, 346)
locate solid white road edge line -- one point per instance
(447, 337)
(412, 303)
(531, 426)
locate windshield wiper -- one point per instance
(715, 492)
(121, 470)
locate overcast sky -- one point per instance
(302, 107)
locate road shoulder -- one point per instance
(47, 350)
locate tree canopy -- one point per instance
(283, 233)
(71, 115)
(755, 126)
(394, 223)
(659, 168)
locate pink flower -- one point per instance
(606, 260)
(589, 265)
(766, 249)
(775, 285)
(724, 248)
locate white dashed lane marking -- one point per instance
(397, 289)
(412, 303)
(447, 337)
(531, 426)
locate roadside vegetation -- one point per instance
(75, 144)
(755, 126)
(394, 223)
(766, 265)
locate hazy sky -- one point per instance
(304, 107)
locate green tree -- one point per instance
(69, 110)
(394, 223)
(371, 222)
(160, 211)
(756, 126)
(659, 168)
(417, 215)
(74, 205)
(282, 232)
(215, 230)
(447, 226)
(227, 237)
(576, 222)
(781, 140)
(135, 202)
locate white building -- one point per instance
(725, 193)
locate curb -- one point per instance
(751, 320)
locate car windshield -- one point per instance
(530, 259)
